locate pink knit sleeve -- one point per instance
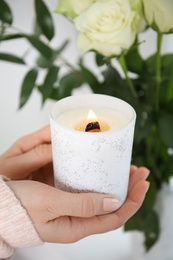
(16, 227)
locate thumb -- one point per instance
(83, 205)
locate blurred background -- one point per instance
(16, 122)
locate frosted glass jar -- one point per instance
(86, 161)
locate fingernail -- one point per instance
(147, 186)
(110, 204)
(147, 173)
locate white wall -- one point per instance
(16, 123)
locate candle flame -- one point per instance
(91, 115)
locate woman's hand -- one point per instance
(29, 158)
(62, 217)
(59, 216)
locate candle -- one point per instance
(78, 119)
(92, 161)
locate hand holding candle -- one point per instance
(92, 161)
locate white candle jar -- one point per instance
(87, 161)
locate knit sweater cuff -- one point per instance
(16, 227)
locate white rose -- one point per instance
(137, 6)
(72, 8)
(107, 27)
(159, 14)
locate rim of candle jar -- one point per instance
(64, 105)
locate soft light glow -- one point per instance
(91, 115)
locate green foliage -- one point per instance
(165, 125)
(135, 62)
(40, 46)
(50, 79)
(47, 56)
(149, 91)
(147, 223)
(27, 86)
(44, 19)
(68, 83)
(11, 58)
(5, 13)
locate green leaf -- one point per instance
(100, 60)
(167, 71)
(28, 85)
(167, 61)
(146, 222)
(152, 229)
(46, 63)
(42, 62)
(89, 77)
(44, 49)
(61, 48)
(114, 85)
(151, 195)
(10, 37)
(142, 129)
(113, 81)
(170, 85)
(36, 28)
(55, 93)
(11, 58)
(165, 124)
(134, 61)
(5, 13)
(68, 83)
(151, 64)
(44, 19)
(50, 79)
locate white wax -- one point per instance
(113, 118)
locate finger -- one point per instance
(78, 228)
(19, 167)
(106, 223)
(88, 205)
(137, 175)
(29, 142)
(134, 201)
(133, 168)
(119, 218)
(84, 205)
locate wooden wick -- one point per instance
(93, 127)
